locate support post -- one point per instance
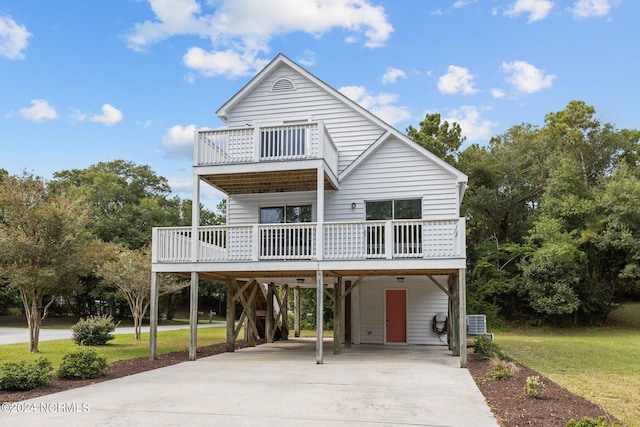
(193, 316)
(319, 316)
(347, 314)
(269, 321)
(462, 300)
(296, 311)
(153, 317)
(231, 315)
(337, 317)
(285, 312)
(251, 315)
(454, 320)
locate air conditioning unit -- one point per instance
(476, 324)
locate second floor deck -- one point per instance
(366, 240)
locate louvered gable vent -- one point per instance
(283, 85)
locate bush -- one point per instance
(83, 363)
(25, 376)
(590, 422)
(502, 369)
(487, 349)
(94, 330)
(534, 387)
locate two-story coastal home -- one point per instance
(323, 194)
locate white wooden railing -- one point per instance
(265, 143)
(426, 239)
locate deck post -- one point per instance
(153, 317)
(231, 315)
(251, 314)
(296, 311)
(337, 317)
(454, 320)
(285, 312)
(319, 316)
(462, 300)
(347, 314)
(269, 323)
(193, 316)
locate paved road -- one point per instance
(19, 335)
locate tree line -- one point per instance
(80, 243)
(553, 219)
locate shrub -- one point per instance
(82, 363)
(25, 376)
(502, 369)
(534, 387)
(486, 348)
(590, 422)
(94, 330)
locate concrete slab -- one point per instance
(278, 384)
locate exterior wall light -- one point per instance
(353, 205)
(300, 280)
(400, 279)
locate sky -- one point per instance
(83, 82)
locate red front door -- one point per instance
(396, 315)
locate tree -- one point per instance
(129, 270)
(439, 137)
(44, 246)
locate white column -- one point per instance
(195, 217)
(319, 213)
(153, 317)
(319, 316)
(462, 298)
(193, 317)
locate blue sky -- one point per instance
(88, 81)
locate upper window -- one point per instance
(285, 214)
(394, 209)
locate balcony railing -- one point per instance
(265, 143)
(425, 239)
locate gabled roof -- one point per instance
(390, 130)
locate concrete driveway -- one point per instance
(277, 384)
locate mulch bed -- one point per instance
(512, 407)
(506, 398)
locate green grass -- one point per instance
(601, 364)
(122, 347)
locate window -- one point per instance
(286, 242)
(407, 237)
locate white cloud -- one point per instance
(240, 30)
(497, 93)
(39, 110)
(462, 3)
(392, 75)
(537, 9)
(525, 77)
(178, 141)
(590, 8)
(457, 80)
(381, 105)
(110, 116)
(308, 59)
(14, 38)
(473, 127)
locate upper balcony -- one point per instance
(236, 152)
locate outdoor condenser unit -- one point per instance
(476, 324)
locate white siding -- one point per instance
(245, 208)
(424, 301)
(394, 171)
(351, 132)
